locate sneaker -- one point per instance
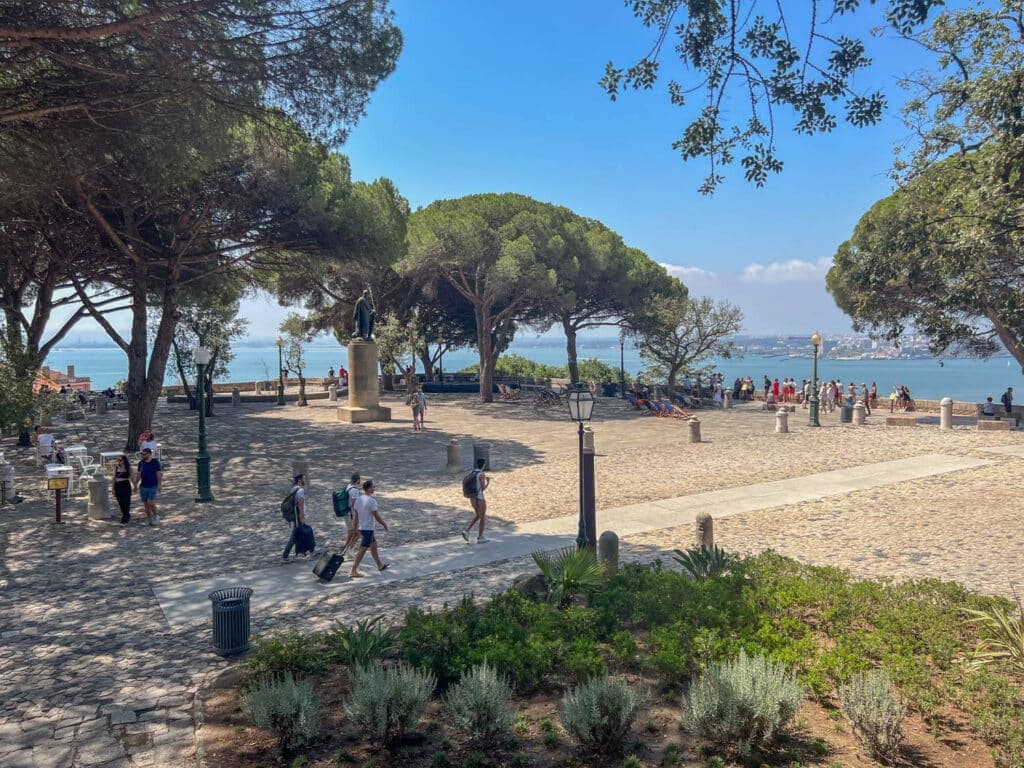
(482, 540)
(150, 521)
(465, 535)
(156, 519)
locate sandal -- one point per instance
(355, 575)
(384, 567)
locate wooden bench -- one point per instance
(989, 425)
(901, 420)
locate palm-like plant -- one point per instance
(1004, 635)
(568, 572)
(705, 562)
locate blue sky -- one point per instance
(494, 97)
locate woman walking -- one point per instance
(122, 487)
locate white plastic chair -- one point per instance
(90, 467)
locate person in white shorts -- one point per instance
(366, 518)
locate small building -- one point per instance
(48, 377)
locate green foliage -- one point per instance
(440, 760)
(362, 644)
(569, 571)
(632, 761)
(705, 563)
(1002, 635)
(875, 713)
(480, 705)
(387, 701)
(600, 713)
(743, 703)
(624, 647)
(582, 660)
(286, 653)
(549, 734)
(286, 707)
(475, 760)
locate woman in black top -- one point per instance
(122, 487)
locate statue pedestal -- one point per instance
(363, 392)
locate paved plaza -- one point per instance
(103, 641)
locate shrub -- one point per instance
(286, 653)
(362, 644)
(705, 562)
(600, 713)
(583, 660)
(1004, 630)
(436, 642)
(743, 703)
(286, 707)
(386, 701)
(568, 572)
(480, 706)
(624, 647)
(875, 713)
(525, 660)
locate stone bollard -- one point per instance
(258, 389)
(8, 494)
(301, 468)
(705, 530)
(332, 393)
(608, 551)
(694, 430)
(946, 413)
(845, 414)
(588, 439)
(236, 396)
(482, 451)
(99, 498)
(727, 398)
(45, 419)
(101, 403)
(781, 421)
(454, 456)
(859, 414)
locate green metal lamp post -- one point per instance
(581, 408)
(622, 363)
(813, 399)
(203, 493)
(280, 371)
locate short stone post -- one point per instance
(782, 420)
(236, 396)
(482, 451)
(332, 392)
(301, 468)
(454, 456)
(859, 414)
(705, 530)
(99, 498)
(694, 430)
(258, 389)
(8, 495)
(588, 439)
(727, 398)
(101, 403)
(608, 551)
(946, 413)
(45, 419)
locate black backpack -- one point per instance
(471, 484)
(288, 505)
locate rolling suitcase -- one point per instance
(328, 565)
(304, 540)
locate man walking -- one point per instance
(298, 493)
(147, 483)
(366, 517)
(479, 503)
(1007, 400)
(351, 525)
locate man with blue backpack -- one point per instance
(344, 502)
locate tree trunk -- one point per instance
(570, 350)
(192, 404)
(428, 363)
(145, 382)
(302, 389)
(487, 361)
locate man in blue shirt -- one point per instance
(147, 483)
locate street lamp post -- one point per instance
(280, 371)
(203, 493)
(813, 399)
(622, 363)
(581, 408)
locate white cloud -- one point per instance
(689, 273)
(792, 271)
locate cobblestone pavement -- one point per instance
(90, 674)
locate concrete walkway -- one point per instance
(186, 602)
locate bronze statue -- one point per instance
(363, 316)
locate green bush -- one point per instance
(387, 701)
(525, 661)
(362, 644)
(480, 705)
(624, 648)
(743, 703)
(286, 707)
(568, 572)
(875, 713)
(437, 642)
(286, 653)
(600, 713)
(583, 660)
(705, 562)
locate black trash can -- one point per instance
(846, 414)
(230, 620)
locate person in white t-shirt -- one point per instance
(367, 516)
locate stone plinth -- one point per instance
(363, 392)
(901, 420)
(99, 499)
(988, 425)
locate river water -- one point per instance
(966, 380)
